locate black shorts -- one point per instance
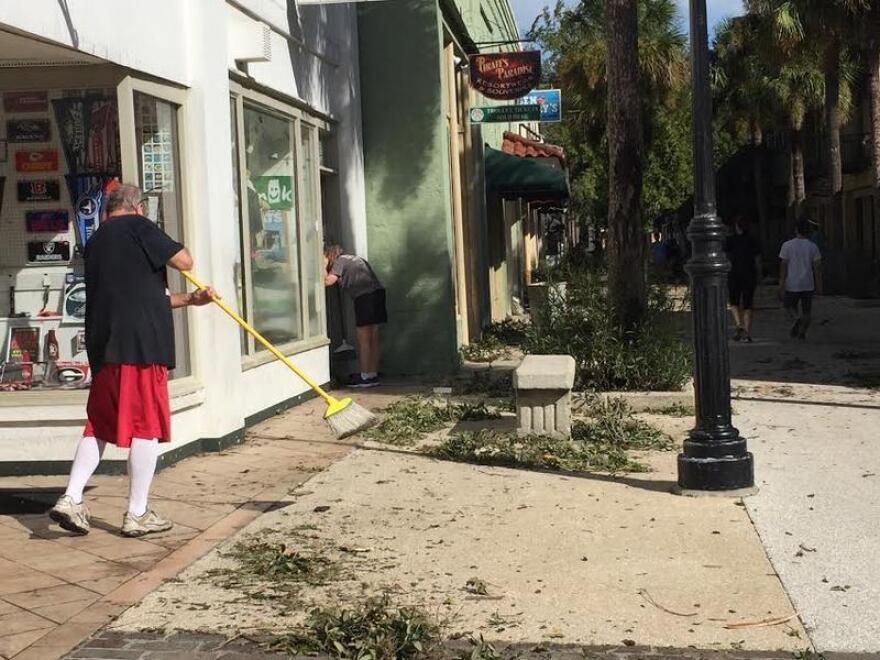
(369, 309)
(805, 298)
(742, 292)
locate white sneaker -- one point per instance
(71, 516)
(149, 523)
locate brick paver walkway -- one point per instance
(154, 646)
(56, 589)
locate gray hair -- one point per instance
(124, 198)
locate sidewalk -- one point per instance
(574, 560)
(57, 589)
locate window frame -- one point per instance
(243, 98)
(176, 96)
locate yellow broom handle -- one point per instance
(260, 338)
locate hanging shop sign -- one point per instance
(276, 191)
(28, 130)
(25, 101)
(549, 100)
(503, 114)
(44, 252)
(39, 190)
(506, 76)
(36, 161)
(48, 222)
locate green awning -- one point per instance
(526, 177)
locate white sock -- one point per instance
(85, 462)
(142, 459)
(366, 375)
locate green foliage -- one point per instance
(673, 410)
(652, 357)
(373, 630)
(497, 342)
(599, 443)
(406, 422)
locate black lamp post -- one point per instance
(715, 456)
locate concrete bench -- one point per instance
(543, 395)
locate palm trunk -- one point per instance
(797, 169)
(832, 131)
(627, 240)
(761, 206)
(874, 102)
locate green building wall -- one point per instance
(407, 170)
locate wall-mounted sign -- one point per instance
(505, 113)
(506, 76)
(276, 191)
(42, 252)
(25, 101)
(39, 190)
(49, 222)
(36, 161)
(74, 307)
(549, 100)
(28, 130)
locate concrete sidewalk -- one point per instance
(57, 589)
(565, 559)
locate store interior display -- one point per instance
(62, 157)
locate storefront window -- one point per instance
(273, 237)
(158, 154)
(311, 230)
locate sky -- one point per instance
(527, 10)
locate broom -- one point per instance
(344, 415)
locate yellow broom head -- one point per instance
(347, 418)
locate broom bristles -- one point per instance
(351, 420)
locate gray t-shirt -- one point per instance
(355, 275)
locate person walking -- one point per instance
(800, 278)
(130, 344)
(356, 277)
(744, 254)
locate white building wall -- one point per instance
(185, 42)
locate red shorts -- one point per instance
(129, 401)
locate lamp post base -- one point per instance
(716, 475)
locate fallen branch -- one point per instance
(644, 594)
(764, 623)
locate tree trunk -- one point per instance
(874, 103)
(797, 169)
(761, 206)
(627, 240)
(832, 136)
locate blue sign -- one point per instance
(550, 101)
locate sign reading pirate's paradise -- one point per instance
(505, 113)
(42, 252)
(39, 190)
(49, 222)
(28, 130)
(506, 76)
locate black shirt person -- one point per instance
(744, 253)
(130, 342)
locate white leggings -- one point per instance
(142, 458)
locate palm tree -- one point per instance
(618, 62)
(826, 24)
(626, 234)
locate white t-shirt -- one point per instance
(801, 254)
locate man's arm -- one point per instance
(182, 260)
(330, 279)
(817, 277)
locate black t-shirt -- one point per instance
(742, 249)
(128, 311)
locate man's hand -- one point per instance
(202, 297)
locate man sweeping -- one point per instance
(130, 343)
